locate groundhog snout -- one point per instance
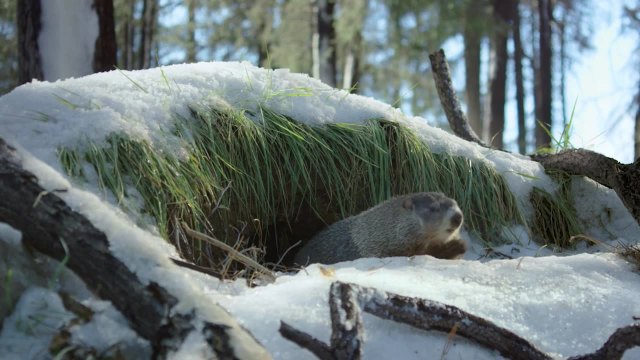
(455, 221)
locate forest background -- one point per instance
(521, 66)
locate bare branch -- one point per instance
(306, 341)
(450, 103)
(620, 341)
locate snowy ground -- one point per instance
(564, 305)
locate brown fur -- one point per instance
(406, 225)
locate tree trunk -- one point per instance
(192, 45)
(472, 52)
(351, 75)
(520, 95)
(104, 55)
(28, 17)
(51, 227)
(498, 77)
(149, 12)
(129, 33)
(637, 132)
(544, 77)
(562, 56)
(324, 42)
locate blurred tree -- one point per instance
(324, 41)
(291, 46)
(349, 28)
(104, 56)
(632, 16)
(8, 46)
(475, 28)
(544, 76)
(502, 19)
(518, 53)
(148, 31)
(191, 42)
(28, 16)
(125, 32)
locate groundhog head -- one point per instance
(439, 216)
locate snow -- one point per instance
(547, 300)
(65, 51)
(565, 305)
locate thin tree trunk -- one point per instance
(104, 56)
(498, 79)
(351, 74)
(637, 132)
(149, 11)
(191, 31)
(128, 34)
(324, 42)
(563, 66)
(28, 17)
(520, 95)
(472, 52)
(544, 77)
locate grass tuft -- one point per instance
(260, 181)
(555, 220)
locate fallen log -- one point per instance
(51, 227)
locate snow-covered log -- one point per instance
(51, 227)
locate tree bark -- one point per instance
(623, 178)
(104, 55)
(28, 17)
(498, 77)
(49, 226)
(544, 77)
(520, 95)
(472, 52)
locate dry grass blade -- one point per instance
(233, 253)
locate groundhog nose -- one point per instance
(456, 219)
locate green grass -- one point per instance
(555, 220)
(286, 179)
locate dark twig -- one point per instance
(306, 341)
(450, 103)
(346, 327)
(432, 315)
(620, 341)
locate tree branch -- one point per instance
(622, 178)
(450, 103)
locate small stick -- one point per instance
(233, 253)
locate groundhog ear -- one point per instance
(408, 204)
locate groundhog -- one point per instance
(414, 224)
